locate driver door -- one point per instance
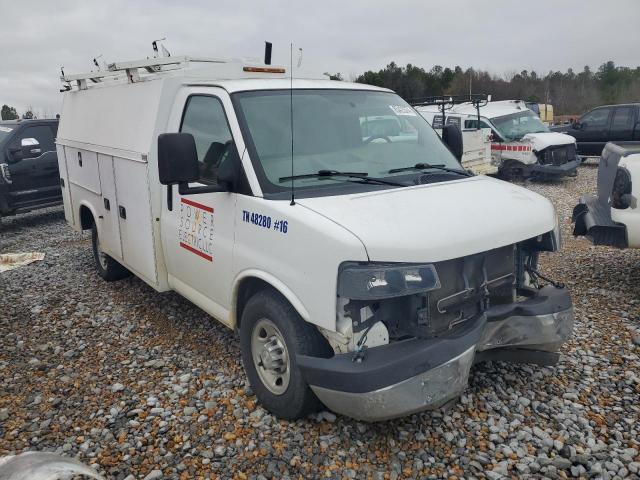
(198, 231)
(594, 131)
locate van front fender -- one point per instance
(269, 280)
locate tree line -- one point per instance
(10, 113)
(570, 93)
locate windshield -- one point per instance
(517, 125)
(339, 130)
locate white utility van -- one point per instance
(522, 145)
(612, 217)
(359, 271)
(476, 142)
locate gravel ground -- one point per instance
(145, 385)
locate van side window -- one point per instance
(204, 118)
(453, 121)
(474, 124)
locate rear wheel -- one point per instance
(108, 268)
(271, 335)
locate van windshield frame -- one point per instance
(338, 129)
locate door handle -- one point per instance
(123, 212)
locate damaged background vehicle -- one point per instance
(612, 217)
(522, 145)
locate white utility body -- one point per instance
(476, 142)
(521, 144)
(370, 281)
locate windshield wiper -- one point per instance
(362, 176)
(437, 166)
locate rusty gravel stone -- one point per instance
(185, 410)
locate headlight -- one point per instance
(375, 281)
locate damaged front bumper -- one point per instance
(555, 171)
(412, 375)
(592, 219)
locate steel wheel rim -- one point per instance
(102, 257)
(270, 356)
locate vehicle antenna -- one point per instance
(154, 45)
(95, 61)
(293, 201)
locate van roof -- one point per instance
(245, 84)
(233, 75)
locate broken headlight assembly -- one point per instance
(370, 295)
(372, 281)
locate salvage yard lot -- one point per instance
(135, 381)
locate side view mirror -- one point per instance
(177, 158)
(577, 125)
(30, 148)
(452, 137)
(178, 164)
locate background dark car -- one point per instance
(29, 176)
(609, 123)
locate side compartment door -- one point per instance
(64, 182)
(133, 211)
(109, 222)
(198, 232)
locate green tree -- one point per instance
(570, 93)
(8, 113)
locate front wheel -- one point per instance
(271, 335)
(108, 268)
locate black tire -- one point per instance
(108, 268)
(299, 336)
(510, 171)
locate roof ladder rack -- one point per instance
(131, 70)
(446, 102)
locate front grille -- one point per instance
(467, 285)
(557, 155)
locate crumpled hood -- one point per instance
(440, 221)
(543, 140)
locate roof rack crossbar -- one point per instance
(447, 102)
(130, 70)
(475, 98)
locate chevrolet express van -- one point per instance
(363, 272)
(522, 145)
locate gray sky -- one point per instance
(37, 37)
